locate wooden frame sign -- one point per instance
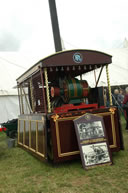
(92, 141)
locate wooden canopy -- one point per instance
(73, 62)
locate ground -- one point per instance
(20, 172)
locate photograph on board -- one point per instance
(90, 130)
(94, 154)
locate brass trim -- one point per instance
(112, 110)
(60, 154)
(109, 87)
(55, 117)
(36, 152)
(47, 90)
(113, 132)
(113, 128)
(93, 140)
(30, 120)
(42, 155)
(20, 143)
(26, 146)
(32, 150)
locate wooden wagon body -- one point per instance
(51, 97)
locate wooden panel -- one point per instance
(68, 142)
(108, 125)
(65, 58)
(32, 134)
(27, 133)
(21, 128)
(41, 142)
(65, 145)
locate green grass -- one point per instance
(20, 172)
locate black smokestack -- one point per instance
(55, 25)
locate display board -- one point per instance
(92, 141)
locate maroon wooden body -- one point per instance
(65, 146)
(50, 134)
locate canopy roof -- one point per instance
(73, 62)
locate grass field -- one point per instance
(20, 172)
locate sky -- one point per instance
(25, 29)
(25, 25)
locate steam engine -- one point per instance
(70, 91)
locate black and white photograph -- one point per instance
(95, 154)
(90, 130)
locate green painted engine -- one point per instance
(70, 91)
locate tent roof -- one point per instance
(12, 65)
(118, 70)
(11, 92)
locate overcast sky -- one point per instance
(25, 25)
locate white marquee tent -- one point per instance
(12, 65)
(9, 108)
(118, 70)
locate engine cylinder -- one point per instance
(72, 89)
